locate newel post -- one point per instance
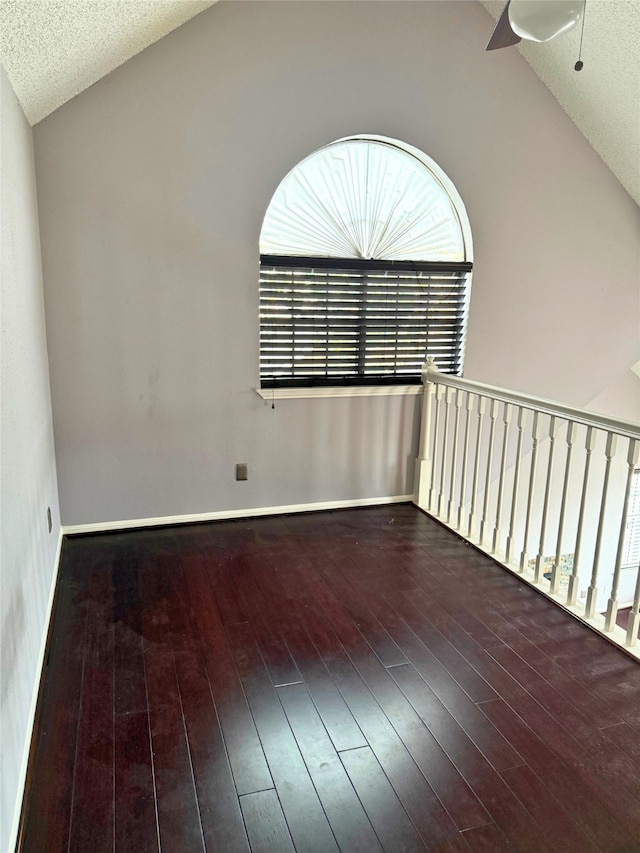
(424, 461)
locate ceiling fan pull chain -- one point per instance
(580, 64)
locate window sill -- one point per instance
(353, 391)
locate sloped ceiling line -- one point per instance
(54, 49)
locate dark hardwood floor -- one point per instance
(345, 681)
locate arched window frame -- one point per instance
(365, 382)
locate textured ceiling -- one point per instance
(54, 49)
(604, 98)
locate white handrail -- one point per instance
(629, 429)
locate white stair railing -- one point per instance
(540, 486)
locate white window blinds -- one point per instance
(363, 323)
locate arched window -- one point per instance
(365, 266)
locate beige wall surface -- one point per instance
(27, 463)
(152, 188)
(621, 398)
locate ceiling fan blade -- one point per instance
(503, 35)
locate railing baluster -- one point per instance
(465, 455)
(436, 415)
(589, 444)
(612, 607)
(522, 419)
(532, 483)
(553, 431)
(592, 595)
(482, 405)
(506, 420)
(445, 443)
(493, 414)
(424, 461)
(634, 616)
(571, 440)
(454, 454)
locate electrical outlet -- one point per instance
(583, 593)
(49, 522)
(242, 471)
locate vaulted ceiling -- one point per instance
(54, 49)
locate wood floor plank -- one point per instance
(448, 656)
(335, 714)
(533, 675)
(265, 823)
(302, 809)
(609, 761)
(605, 761)
(564, 781)
(275, 653)
(220, 573)
(451, 789)
(556, 704)
(490, 742)
(390, 821)
(220, 816)
(628, 738)
(92, 812)
(547, 656)
(349, 823)
(421, 614)
(129, 683)
(135, 825)
(178, 813)
(378, 639)
(506, 811)
(547, 810)
(487, 839)
(571, 688)
(247, 759)
(416, 795)
(449, 786)
(444, 778)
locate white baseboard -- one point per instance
(15, 827)
(221, 515)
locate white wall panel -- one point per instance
(27, 463)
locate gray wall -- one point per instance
(27, 464)
(152, 188)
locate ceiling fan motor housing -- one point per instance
(543, 20)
